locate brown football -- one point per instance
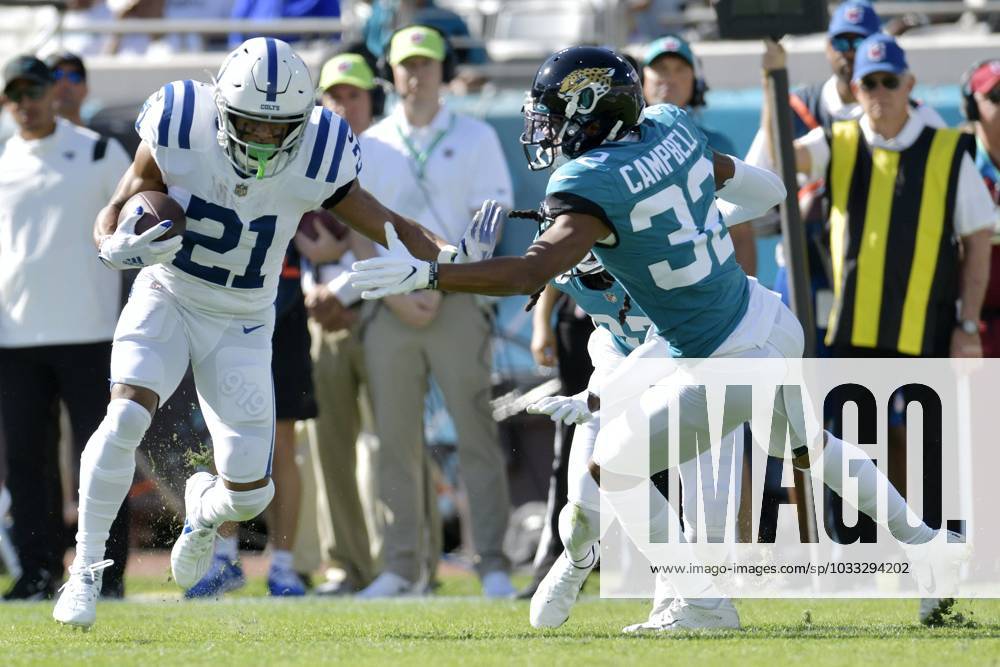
(307, 225)
(157, 207)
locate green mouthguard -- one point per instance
(262, 153)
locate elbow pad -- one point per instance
(753, 190)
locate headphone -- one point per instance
(448, 66)
(970, 108)
(700, 85)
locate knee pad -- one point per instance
(579, 527)
(248, 504)
(112, 446)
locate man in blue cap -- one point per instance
(672, 74)
(820, 105)
(897, 182)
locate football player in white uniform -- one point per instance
(245, 156)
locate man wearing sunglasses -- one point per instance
(898, 183)
(58, 308)
(981, 106)
(70, 85)
(820, 105)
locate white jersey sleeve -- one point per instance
(329, 157)
(172, 123)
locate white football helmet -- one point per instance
(264, 80)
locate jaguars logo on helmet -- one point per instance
(580, 98)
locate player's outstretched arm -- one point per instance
(142, 175)
(749, 191)
(559, 249)
(359, 209)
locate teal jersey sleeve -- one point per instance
(670, 251)
(606, 307)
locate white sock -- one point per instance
(579, 529)
(898, 510)
(220, 504)
(227, 547)
(281, 559)
(106, 470)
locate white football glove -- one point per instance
(569, 410)
(481, 236)
(399, 273)
(127, 250)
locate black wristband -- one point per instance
(432, 276)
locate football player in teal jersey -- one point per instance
(640, 190)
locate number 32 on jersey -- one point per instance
(694, 242)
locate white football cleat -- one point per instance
(77, 604)
(936, 569)
(191, 557)
(682, 615)
(556, 595)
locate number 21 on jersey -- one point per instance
(232, 230)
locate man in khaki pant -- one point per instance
(436, 167)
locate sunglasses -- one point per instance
(889, 82)
(994, 95)
(844, 44)
(32, 92)
(72, 75)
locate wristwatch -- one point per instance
(970, 327)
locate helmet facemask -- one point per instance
(251, 158)
(542, 136)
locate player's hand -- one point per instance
(569, 410)
(127, 250)
(399, 273)
(326, 248)
(326, 309)
(481, 236)
(543, 345)
(774, 56)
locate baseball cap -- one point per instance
(29, 68)
(66, 58)
(856, 18)
(879, 53)
(668, 45)
(986, 77)
(416, 40)
(349, 68)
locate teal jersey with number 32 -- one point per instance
(669, 247)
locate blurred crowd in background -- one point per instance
(399, 439)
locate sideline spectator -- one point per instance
(348, 86)
(671, 74)
(437, 167)
(899, 303)
(58, 307)
(819, 105)
(70, 76)
(981, 107)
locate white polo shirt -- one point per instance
(438, 175)
(973, 207)
(53, 288)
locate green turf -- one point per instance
(449, 630)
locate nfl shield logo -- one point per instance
(876, 52)
(612, 298)
(854, 14)
(241, 189)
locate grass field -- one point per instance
(459, 628)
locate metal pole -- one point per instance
(792, 230)
(796, 262)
